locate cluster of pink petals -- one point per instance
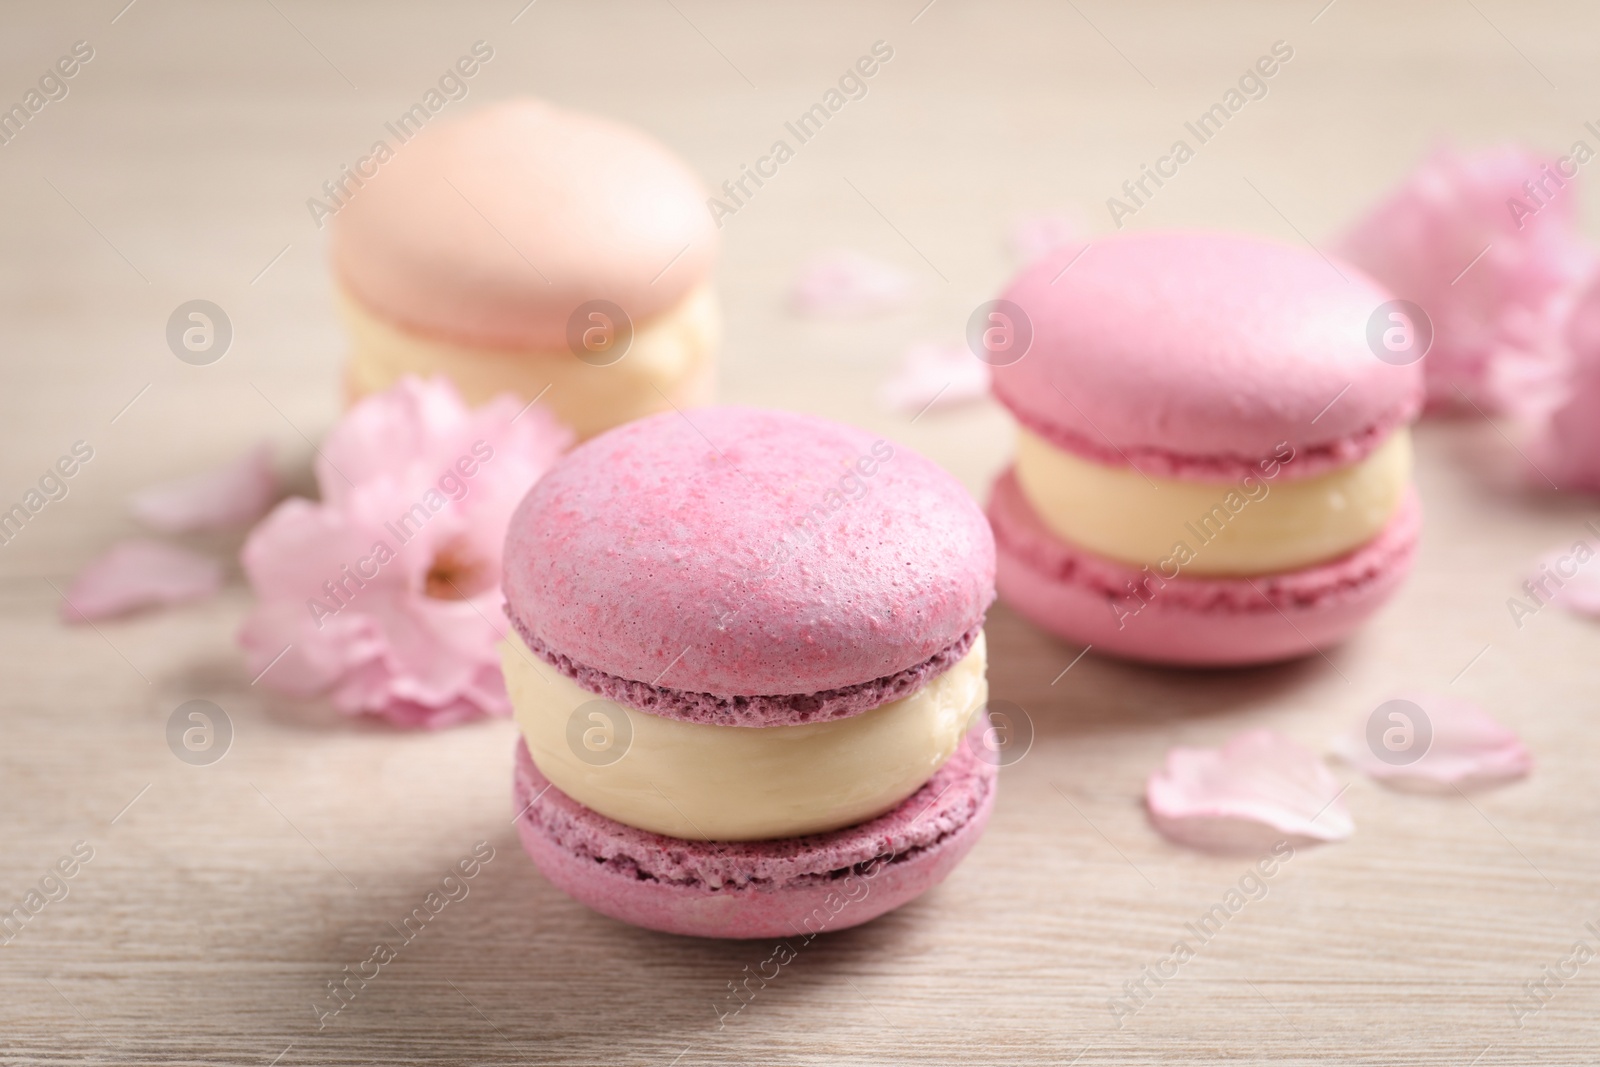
(1486, 243)
(227, 497)
(135, 575)
(1566, 432)
(1257, 789)
(841, 283)
(385, 595)
(1468, 749)
(1036, 236)
(935, 375)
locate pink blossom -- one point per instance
(232, 495)
(1486, 243)
(1256, 789)
(385, 595)
(139, 574)
(1566, 431)
(844, 283)
(935, 375)
(1433, 743)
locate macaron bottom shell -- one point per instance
(1184, 621)
(786, 888)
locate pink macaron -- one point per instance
(752, 600)
(1213, 463)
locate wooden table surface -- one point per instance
(221, 899)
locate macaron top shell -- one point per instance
(747, 552)
(1195, 355)
(492, 228)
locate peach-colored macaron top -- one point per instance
(491, 228)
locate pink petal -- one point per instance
(395, 434)
(385, 596)
(1566, 431)
(1570, 577)
(139, 574)
(1034, 236)
(940, 375)
(1497, 282)
(233, 495)
(1257, 789)
(1431, 743)
(844, 283)
(1527, 386)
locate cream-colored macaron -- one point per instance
(526, 248)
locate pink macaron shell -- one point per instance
(791, 887)
(1212, 622)
(1193, 355)
(493, 227)
(739, 551)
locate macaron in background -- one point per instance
(1213, 465)
(526, 248)
(747, 663)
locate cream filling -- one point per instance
(1261, 525)
(738, 783)
(670, 354)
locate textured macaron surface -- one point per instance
(1195, 355)
(959, 790)
(494, 227)
(738, 551)
(794, 887)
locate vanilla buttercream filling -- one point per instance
(738, 783)
(669, 361)
(1263, 524)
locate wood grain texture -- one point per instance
(219, 905)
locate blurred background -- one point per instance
(178, 166)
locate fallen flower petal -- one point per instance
(233, 495)
(1258, 788)
(1035, 236)
(1434, 743)
(136, 575)
(845, 283)
(1570, 577)
(938, 375)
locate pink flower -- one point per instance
(1487, 245)
(1430, 743)
(842, 283)
(1566, 433)
(135, 575)
(386, 595)
(1258, 788)
(232, 495)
